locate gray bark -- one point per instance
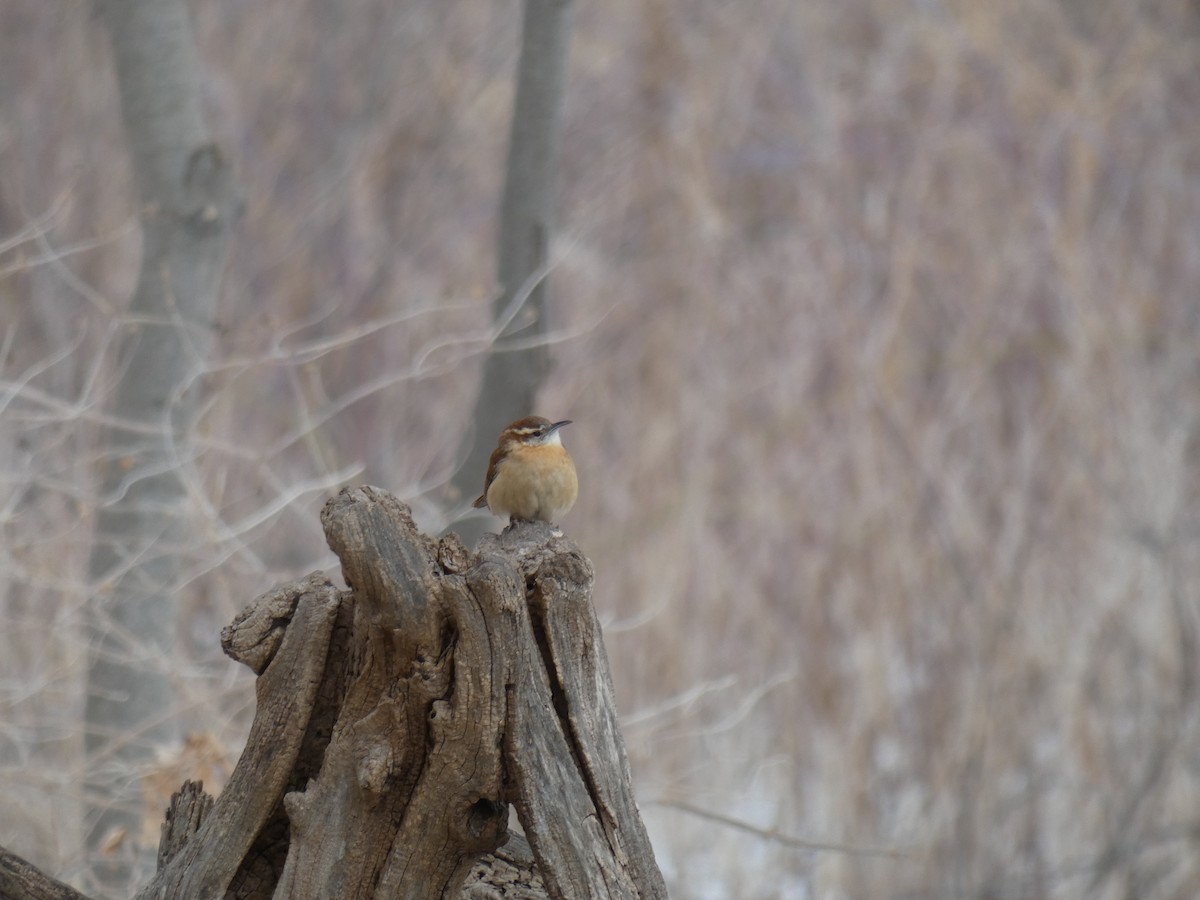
(188, 204)
(511, 378)
(21, 881)
(397, 720)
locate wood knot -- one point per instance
(452, 554)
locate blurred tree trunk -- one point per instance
(188, 204)
(398, 720)
(511, 378)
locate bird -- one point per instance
(530, 475)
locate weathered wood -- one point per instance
(574, 793)
(508, 874)
(474, 688)
(20, 880)
(189, 806)
(286, 691)
(411, 784)
(398, 720)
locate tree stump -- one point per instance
(398, 720)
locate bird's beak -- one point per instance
(558, 425)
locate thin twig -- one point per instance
(772, 834)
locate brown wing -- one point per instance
(493, 465)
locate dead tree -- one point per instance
(188, 204)
(512, 373)
(398, 719)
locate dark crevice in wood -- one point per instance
(557, 692)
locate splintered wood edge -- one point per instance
(187, 811)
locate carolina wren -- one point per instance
(530, 475)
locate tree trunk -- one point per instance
(398, 719)
(188, 204)
(511, 377)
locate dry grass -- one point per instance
(881, 332)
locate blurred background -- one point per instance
(879, 322)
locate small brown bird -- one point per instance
(530, 475)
